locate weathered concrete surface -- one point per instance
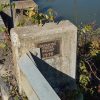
(27, 88)
(6, 10)
(25, 39)
(21, 6)
(4, 1)
(6, 14)
(36, 80)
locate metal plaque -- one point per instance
(49, 49)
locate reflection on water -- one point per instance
(75, 10)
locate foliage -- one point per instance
(33, 17)
(88, 50)
(2, 29)
(2, 45)
(3, 6)
(11, 83)
(6, 39)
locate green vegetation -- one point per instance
(33, 17)
(4, 34)
(3, 30)
(88, 59)
(3, 6)
(13, 92)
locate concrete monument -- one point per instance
(20, 7)
(57, 43)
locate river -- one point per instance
(77, 11)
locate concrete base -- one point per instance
(61, 67)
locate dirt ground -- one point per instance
(7, 78)
(6, 62)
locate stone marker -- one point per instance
(20, 8)
(6, 10)
(36, 80)
(58, 44)
(6, 14)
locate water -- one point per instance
(77, 11)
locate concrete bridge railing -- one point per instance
(33, 82)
